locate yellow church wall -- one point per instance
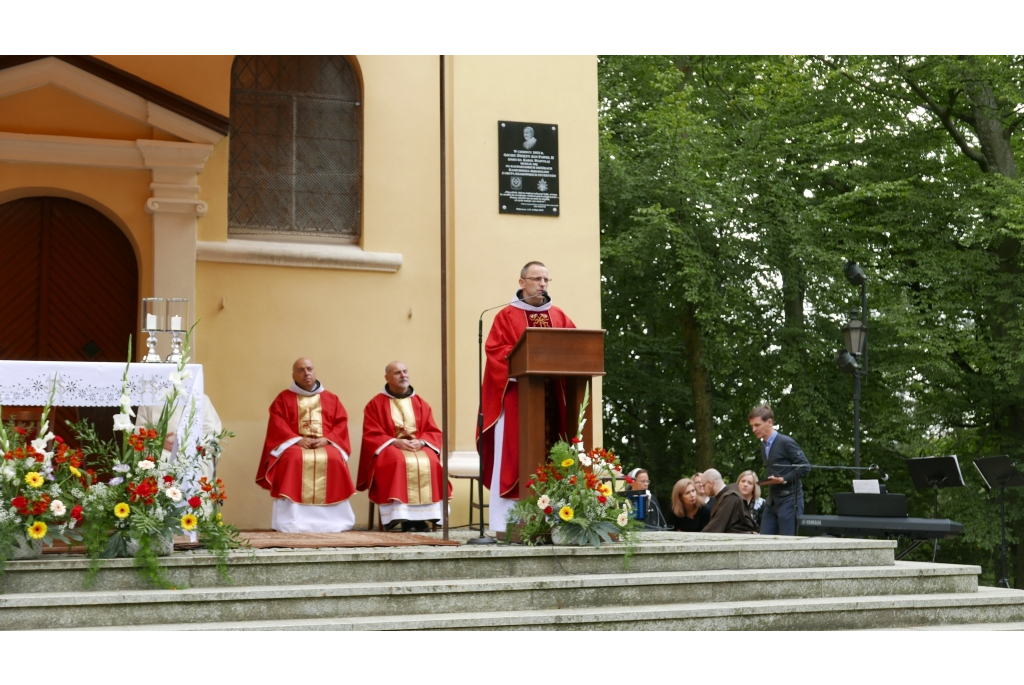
(51, 111)
(350, 323)
(490, 248)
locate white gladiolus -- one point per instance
(543, 501)
(123, 422)
(57, 507)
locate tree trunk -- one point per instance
(993, 136)
(700, 386)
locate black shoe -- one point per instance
(391, 525)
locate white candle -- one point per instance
(150, 322)
(175, 323)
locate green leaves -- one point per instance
(735, 188)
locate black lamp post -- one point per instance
(855, 338)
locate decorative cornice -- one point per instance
(97, 152)
(309, 255)
(163, 154)
(26, 147)
(130, 96)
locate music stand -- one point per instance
(1000, 472)
(935, 473)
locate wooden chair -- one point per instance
(29, 417)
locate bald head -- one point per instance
(713, 482)
(304, 374)
(397, 376)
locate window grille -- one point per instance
(296, 147)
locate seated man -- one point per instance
(731, 513)
(398, 461)
(304, 458)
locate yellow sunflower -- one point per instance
(189, 522)
(37, 531)
(75, 472)
(33, 479)
(122, 510)
(566, 463)
(565, 513)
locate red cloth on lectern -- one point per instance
(283, 475)
(500, 392)
(383, 471)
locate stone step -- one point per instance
(476, 596)
(658, 553)
(989, 606)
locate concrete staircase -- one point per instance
(673, 582)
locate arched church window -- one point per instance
(296, 148)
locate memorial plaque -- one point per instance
(527, 168)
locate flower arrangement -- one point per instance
(572, 503)
(38, 472)
(150, 497)
(132, 501)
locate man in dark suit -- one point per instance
(786, 466)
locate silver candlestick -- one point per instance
(153, 311)
(177, 320)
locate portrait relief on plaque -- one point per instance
(527, 168)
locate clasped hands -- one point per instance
(409, 445)
(312, 443)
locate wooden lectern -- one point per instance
(544, 354)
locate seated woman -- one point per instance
(687, 514)
(732, 513)
(653, 518)
(755, 500)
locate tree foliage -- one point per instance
(733, 189)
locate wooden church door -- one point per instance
(69, 287)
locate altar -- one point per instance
(98, 384)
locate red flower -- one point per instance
(548, 510)
(572, 480)
(194, 501)
(20, 430)
(144, 491)
(76, 512)
(529, 483)
(21, 504)
(602, 499)
(576, 441)
(558, 476)
(629, 481)
(151, 434)
(168, 478)
(59, 440)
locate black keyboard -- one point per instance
(868, 526)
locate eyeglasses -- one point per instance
(538, 279)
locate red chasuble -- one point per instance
(390, 473)
(499, 392)
(307, 476)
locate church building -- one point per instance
(296, 202)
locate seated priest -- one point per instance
(399, 459)
(304, 458)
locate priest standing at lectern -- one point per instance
(499, 441)
(304, 458)
(399, 459)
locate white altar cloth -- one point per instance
(98, 384)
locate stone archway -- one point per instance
(69, 283)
